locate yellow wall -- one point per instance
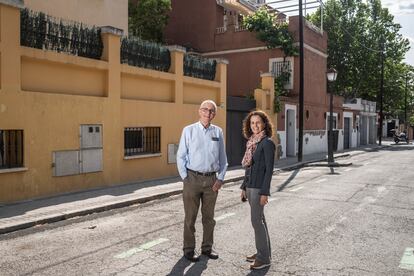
(49, 95)
(92, 12)
(264, 100)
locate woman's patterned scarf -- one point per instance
(251, 147)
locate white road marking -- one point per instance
(347, 170)
(224, 216)
(296, 189)
(321, 180)
(381, 189)
(141, 248)
(407, 260)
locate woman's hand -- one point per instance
(263, 200)
(243, 195)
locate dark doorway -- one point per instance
(347, 128)
(390, 125)
(237, 110)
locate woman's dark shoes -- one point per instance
(258, 265)
(192, 256)
(211, 254)
(251, 258)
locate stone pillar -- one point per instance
(10, 69)
(221, 76)
(113, 129)
(177, 67)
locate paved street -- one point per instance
(355, 220)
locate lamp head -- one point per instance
(331, 74)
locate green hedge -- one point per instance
(145, 54)
(38, 30)
(199, 67)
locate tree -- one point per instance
(358, 31)
(147, 18)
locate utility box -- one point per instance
(172, 153)
(91, 160)
(90, 136)
(91, 148)
(65, 162)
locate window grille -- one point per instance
(142, 140)
(11, 149)
(279, 66)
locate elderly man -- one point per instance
(202, 164)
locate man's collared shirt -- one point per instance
(202, 150)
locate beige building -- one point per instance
(91, 12)
(71, 123)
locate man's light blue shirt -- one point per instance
(202, 150)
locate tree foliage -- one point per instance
(147, 18)
(358, 31)
(271, 32)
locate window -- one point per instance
(11, 149)
(142, 140)
(278, 65)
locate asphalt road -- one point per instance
(356, 220)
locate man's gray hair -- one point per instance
(210, 102)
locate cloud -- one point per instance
(407, 7)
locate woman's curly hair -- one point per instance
(247, 131)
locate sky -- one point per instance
(403, 11)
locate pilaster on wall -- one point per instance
(177, 68)
(265, 97)
(10, 45)
(221, 76)
(111, 38)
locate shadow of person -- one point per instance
(180, 267)
(259, 272)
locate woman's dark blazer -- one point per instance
(259, 174)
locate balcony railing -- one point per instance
(221, 30)
(239, 28)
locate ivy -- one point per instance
(270, 31)
(274, 34)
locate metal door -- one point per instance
(237, 110)
(347, 125)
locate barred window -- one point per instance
(11, 149)
(277, 66)
(142, 140)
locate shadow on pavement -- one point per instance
(291, 177)
(263, 271)
(195, 268)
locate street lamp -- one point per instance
(331, 76)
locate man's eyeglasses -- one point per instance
(206, 110)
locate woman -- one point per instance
(258, 161)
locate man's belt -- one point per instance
(201, 173)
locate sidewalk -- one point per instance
(47, 210)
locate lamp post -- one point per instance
(331, 76)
